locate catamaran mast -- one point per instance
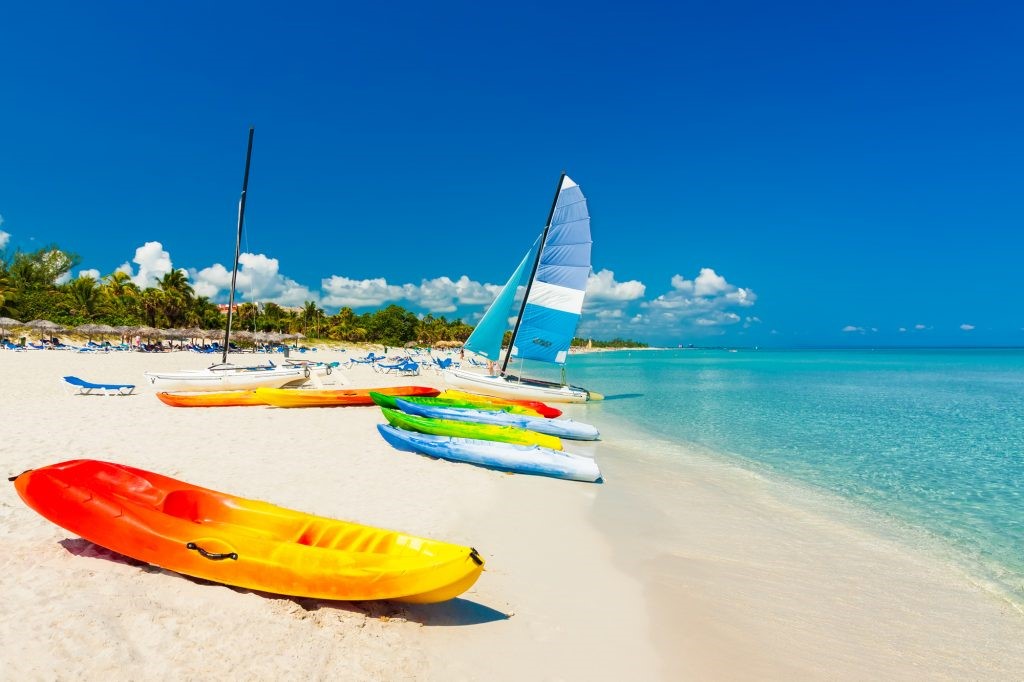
(238, 245)
(533, 273)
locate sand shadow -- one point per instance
(453, 612)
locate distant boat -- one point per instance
(227, 376)
(550, 311)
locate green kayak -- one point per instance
(433, 401)
(448, 427)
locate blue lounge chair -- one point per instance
(370, 359)
(443, 363)
(404, 367)
(83, 387)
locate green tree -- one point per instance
(393, 326)
(86, 298)
(40, 269)
(311, 315)
(204, 313)
(272, 318)
(151, 307)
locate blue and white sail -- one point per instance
(488, 334)
(555, 299)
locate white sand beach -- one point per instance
(720, 577)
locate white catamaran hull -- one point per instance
(500, 387)
(228, 379)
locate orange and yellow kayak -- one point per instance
(246, 543)
(293, 397)
(212, 399)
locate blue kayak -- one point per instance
(521, 459)
(563, 428)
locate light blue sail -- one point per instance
(486, 338)
(555, 300)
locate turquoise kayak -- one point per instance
(563, 428)
(520, 459)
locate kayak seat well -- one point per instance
(330, 534)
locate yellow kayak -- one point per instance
(450, 427)
(294, 397)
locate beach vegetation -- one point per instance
(614, 343)
(39, 285)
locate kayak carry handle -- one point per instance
(210, 555)
(475, 556)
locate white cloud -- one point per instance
(615, 314)
(710, 283)
(702, 301)
(438, 295)
(903, 329)
(5, 237)
(153, 264)
(602, 287)
(851, 329)
(967, 327)
(358, 293)
(717, 318)
(919, 327)
(259, 279)
(91, 272)
(750, 321)
(443, 295)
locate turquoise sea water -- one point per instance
(929, 438)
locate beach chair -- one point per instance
(404, 367)
(442, 363)
(83, 387)
(370, 359)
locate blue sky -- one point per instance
(758, 173)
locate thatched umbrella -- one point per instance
(88, 329)
(6, 323)
(44, 326)
(148, 333)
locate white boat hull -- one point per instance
(233, 379)
(523, 459)
(500, 387)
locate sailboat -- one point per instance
(227, 376)
(559, 264)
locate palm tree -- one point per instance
(6, 290)
(121, 294)
(204, 313)
(272, 316)
(177, 295)
(311, 313)
(151, 303)
(86, 297)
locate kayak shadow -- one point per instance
(622, 396)
(450, 613)
(453, 612)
